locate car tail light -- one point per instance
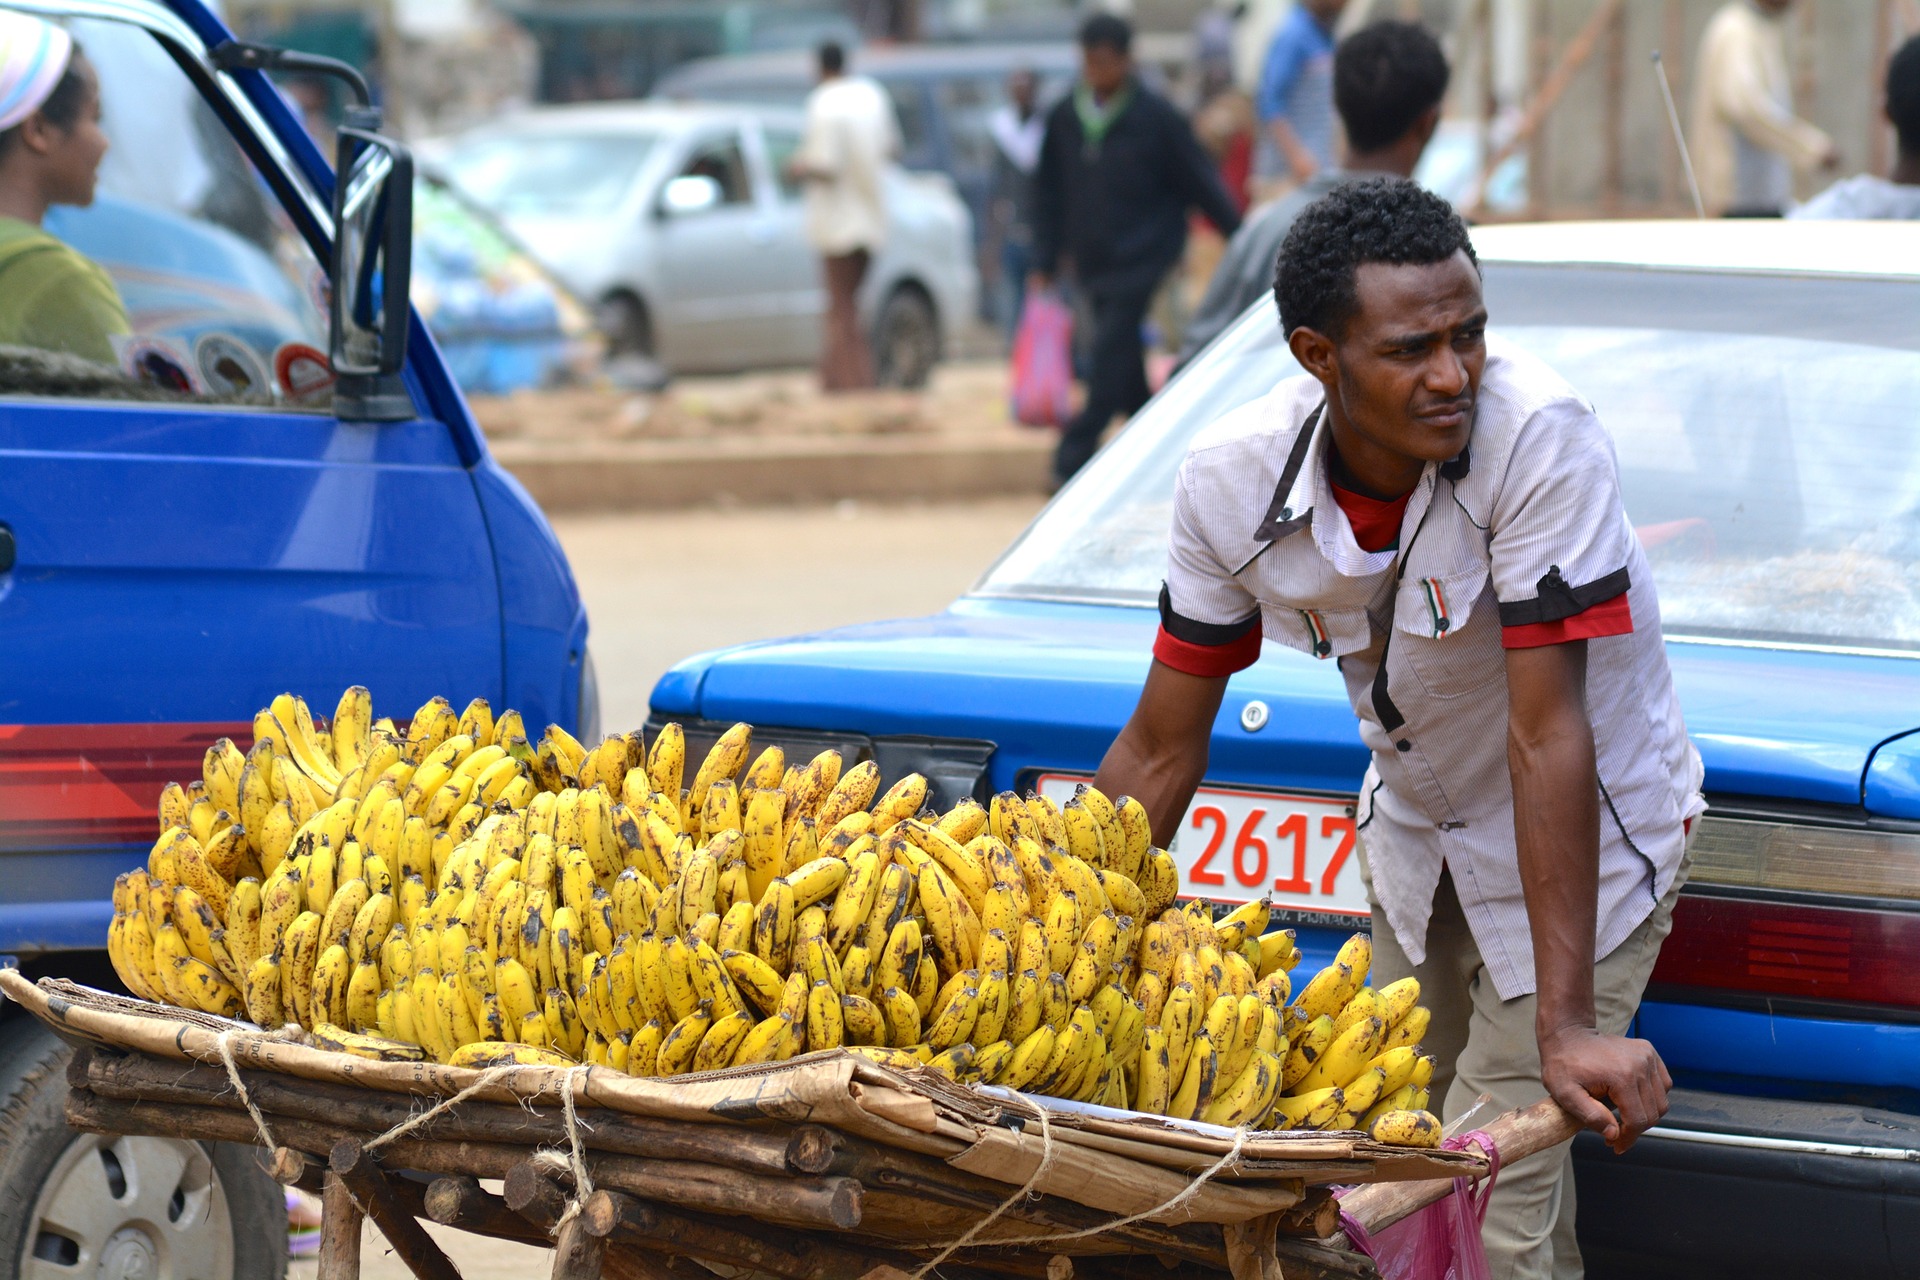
(1792, 947)
(1808, 953)
(1858, 862)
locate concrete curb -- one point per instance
(675, 474)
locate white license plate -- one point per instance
(1234, 846)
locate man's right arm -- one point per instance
(1161, 755)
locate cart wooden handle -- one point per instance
(1518, 1134)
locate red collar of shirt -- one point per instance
(1376, 524)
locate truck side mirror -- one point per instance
(372, 269)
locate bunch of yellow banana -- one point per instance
(1353, 1058)
(452, 892)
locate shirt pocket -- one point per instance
(1447, 632)
(1324, 633)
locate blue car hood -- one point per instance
(1052, 685)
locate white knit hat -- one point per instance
(33, 56)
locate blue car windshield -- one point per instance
(515, 175)
(1765, 428)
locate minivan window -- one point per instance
(205, 290)
(549, 172)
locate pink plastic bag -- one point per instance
(1441, 1241)
(1043, 362)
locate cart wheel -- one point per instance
(153, 1208)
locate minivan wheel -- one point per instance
(86, 1204)
(906, 341)
(623, 319)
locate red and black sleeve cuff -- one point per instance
(1608, 618)
(1205, 648)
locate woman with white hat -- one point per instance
(51, 145)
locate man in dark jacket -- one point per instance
(1118, 171)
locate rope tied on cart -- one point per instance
(223, 1044)
(1184, 1196)
(574, 1163)
(488, 1078)
(1026, 1189)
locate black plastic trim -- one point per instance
(954, 767)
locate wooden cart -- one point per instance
(822, 1168)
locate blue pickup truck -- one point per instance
(279, 487)
(1760, 383)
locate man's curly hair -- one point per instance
(1387, 220)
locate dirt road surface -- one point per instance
(661, 587)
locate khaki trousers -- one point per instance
(1487, 1045)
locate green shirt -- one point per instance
(54, 298)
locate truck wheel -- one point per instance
(906, 341)
(153, 1208)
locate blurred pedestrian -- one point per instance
(1389, 81)
(1295, 99)
(1018, 129)
(1747, 143)
(1898, 194)
(850, 137)
(51, 145)
(1223, 117)
(1119, 169)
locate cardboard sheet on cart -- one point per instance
(1119, 1161)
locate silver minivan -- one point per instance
(678, 222)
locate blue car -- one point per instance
(228, 511)
(1760, 382)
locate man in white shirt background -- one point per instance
(850, 137)
(1748, 146)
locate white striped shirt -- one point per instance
(1525, 527)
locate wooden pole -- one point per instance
(460, 1201)
(340, 1221)
(1883, 20)
(1674, 49)
(352, 1164)
(1540, 59)
(614, 1215)
(1574, 57)
(144, 1079)
(1518, 1134)
(577, 1253)
(832, 1202)
(1613, 181)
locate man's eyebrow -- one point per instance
(1478, 320)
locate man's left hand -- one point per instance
(1594, 1075)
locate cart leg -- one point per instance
(339, 1232)
(577, 1253)
(1250, 1251)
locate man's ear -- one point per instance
(1316, 353)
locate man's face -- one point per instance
(1105, 69)
(1326, 10)
(1020, 90)
(1407, 370)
